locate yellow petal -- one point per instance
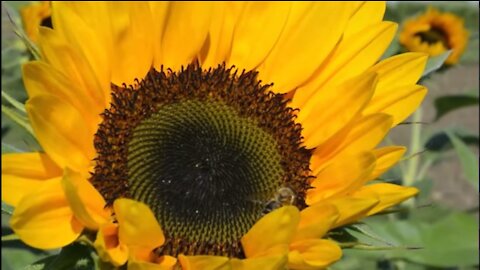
(315, 221)
(204, 262)
(220, 36)
(61, 131)
(86, 202)
(23, 173)
(399, 70)
(40, 78)
(353, 56)
(386, 158)
(185, 32)
(166, 263)
(326, 112)
(132, 53)
(313, 254)
(108, 245)
(32, 16)
(352, 208)
(158, 11)
(275, 228)
(87, 64)
(84, 29)
(388, 194)
(138, 227)
(43, 219)
(309, 37)
(369, 13)
(399, 102)
(335, 180)
(264, 263)
(251, 44)
(363, 135)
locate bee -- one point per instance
(283, 196)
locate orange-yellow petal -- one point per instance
(204, 262)
(352, 208)
(399, 70)
(315, 221)
(61, 129)
(388, 195)
(138, 228)
(335, 180)
(23, 173)
(86, 202)
(368, 13)
(57, 51)
(182, 42)
(251, 44)
(325, 113)
(108, 246)
(264, 263)
(165, 263)
(353, 56)
(386, 158)
(399, 102)
(41, 78)
(219, 40)
(313, 254)
(276, 228)
(43, 219)
(311, 33)
(362, 135)
(132, 27)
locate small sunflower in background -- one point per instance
(200, 135)
(435, 32)
(35, 15)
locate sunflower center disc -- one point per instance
(205, 171)
(208, 151)
(433, 36)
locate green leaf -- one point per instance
(435, 63)
(467, 158)
(7, 209)
(18, 118)
(76, 256)
(441, 142)
(10, 237)
(446, 104)
(6, 148)
(19, 106)
(451, 241)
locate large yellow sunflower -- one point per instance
(35, 15)
(210, 135)
(434, 33)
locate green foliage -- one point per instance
(446, 104)
(441, 141)
(468, 159)
(444, 239)
(76, 256)
(435, 63)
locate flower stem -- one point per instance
(415, 145)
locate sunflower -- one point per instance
(201, 135)
(434, 33)
(35, 15)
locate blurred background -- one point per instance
(437, 230)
